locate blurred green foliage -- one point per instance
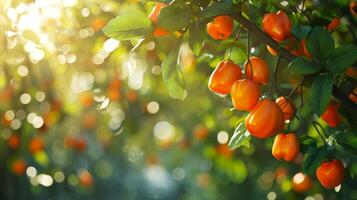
(108, 126)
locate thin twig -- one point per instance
(234, 41)
(322, 128)
(276, 72)
(323, 139)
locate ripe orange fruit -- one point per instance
(89, 120)
(220, 28)
(56, 105)
(131, 96)
(200, 132)
(330, 116)
(351, 72)
(18, 167)
(86, 99)
(301, 182)
(154, 16)
(353, 95)
(113, 90)
(14, 141)
(330, 173)
(260, 70)
(97, 24)
(265, 119)
(223, 149)
(286, 146)
(304, 48)
(113, 94)
(281, 173)
(245, 94)
(286, 107)
(80, 143)
(277, 25)
(85, 178)
(334, 24)
(158, 32)
(295, 48)
(35, 145)
(223, 77)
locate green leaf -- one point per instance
(306, 142)
(320, 43)
(341, 58)
(172, 74)
(197, 37)
(238, 56)
(313, 158)
(347, 140)
(216, 9)
(240, 137)
(321, 92)
(301, 32)
(302, 66)
(175, 17)
(131, 24)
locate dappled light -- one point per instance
(184, 99)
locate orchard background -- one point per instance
(178, 99)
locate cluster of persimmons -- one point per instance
(267, 117)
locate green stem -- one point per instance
(323, 139)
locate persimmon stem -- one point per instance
(276, 72)
(297, 87)
(248, 57)
(323, 139)
(257, 32)
(234, 42)
(322, 128)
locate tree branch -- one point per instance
(257, 32)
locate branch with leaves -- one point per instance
(257, 32)
(308, 47)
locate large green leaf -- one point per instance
(306, 142)
(347, 140)
(172, 74)
(238, 56)
(320, 43)
(341, 58)
(302, 66)
(217, 8)
(197, 37)
(321, 92)
(240, 137)
(131, 24)
(175, 17)
(301, 32)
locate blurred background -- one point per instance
(84, 117)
